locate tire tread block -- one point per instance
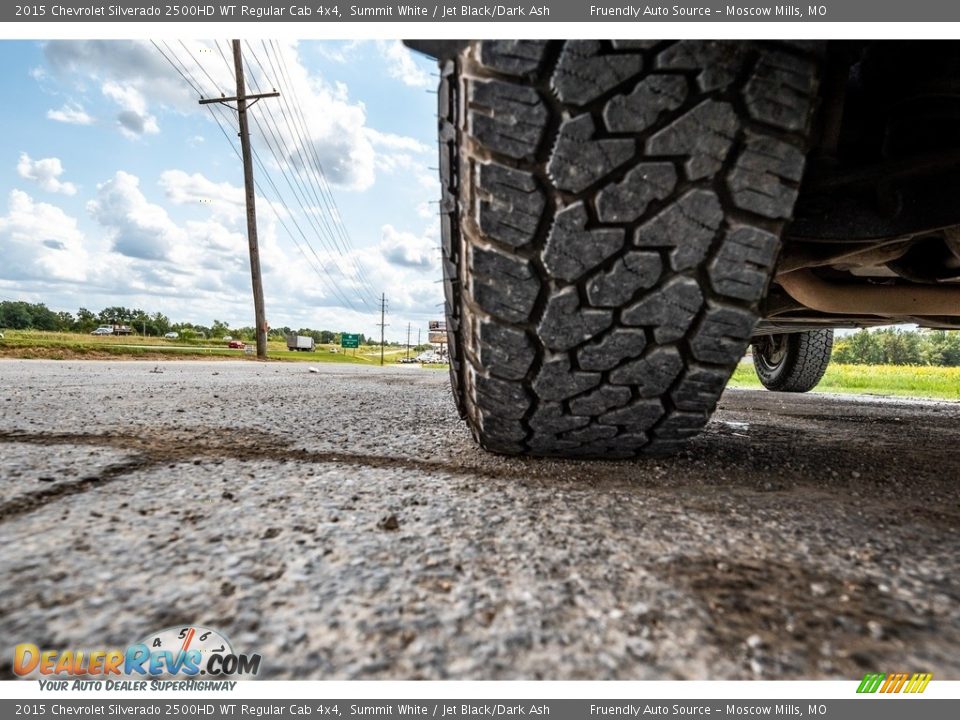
(641, 108)
(572, 250)
(506, 118)
(634, 271)
(511, 205)
(579, 159)
(584, 72)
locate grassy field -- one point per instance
(909, 381)
(70, 346)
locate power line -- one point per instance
(263, 169)
(323, 184)
(216, 86)
(326, 205)
(303, 144)
(301, 196)
(192, 83)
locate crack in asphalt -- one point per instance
(164, 448)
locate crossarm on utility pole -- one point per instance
(234, 98)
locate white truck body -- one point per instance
(300, 342)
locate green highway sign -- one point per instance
(349, 340)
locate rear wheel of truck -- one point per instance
(792, 362)
(611, 214)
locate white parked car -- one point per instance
(172, 335)
(429, 357)
(103, 330)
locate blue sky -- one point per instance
(117, 188)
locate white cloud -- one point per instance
(225, 201)
(332, 129)
(198, 270)
(402, 66)
(46, 173)
(126, 96)
(125, 63)
(71, 114)
(397, 142)
(40, 242)
(134, 119)
(136, 227)
(414, 168)
(339, 52)
(330, 126)
(409, 250)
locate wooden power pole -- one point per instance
(241, 99)
(408, 341)
(383, 324)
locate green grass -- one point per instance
(903, 380)
(67, 346)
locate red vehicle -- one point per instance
(236, 345)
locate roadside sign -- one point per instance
(349, 340)
(437, 338)
(438, 325)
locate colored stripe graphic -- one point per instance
(918, 683)
(894, 683)
(871, 682)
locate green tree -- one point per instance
(19, 315)
(861, 348)
(117, 315)
(65, 321)
(219, 329)
(86, 320)
(15, 315)
(898, 347)
(160, 322)
(940, 347)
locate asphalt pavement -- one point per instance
(344, 525)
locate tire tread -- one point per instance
(614, 218)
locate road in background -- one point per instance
(343, 524)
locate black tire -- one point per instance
(611, 216)
(792, 362)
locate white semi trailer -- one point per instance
(303, 343)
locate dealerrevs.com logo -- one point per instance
(185, 652)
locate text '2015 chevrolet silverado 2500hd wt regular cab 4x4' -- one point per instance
(622, 219)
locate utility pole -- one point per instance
(408, 341)
(241, 98)
(383, 324)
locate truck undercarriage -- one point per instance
(874, 239)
